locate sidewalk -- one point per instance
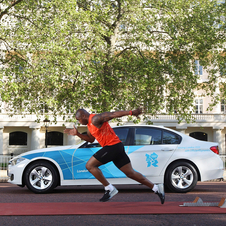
(3, 176)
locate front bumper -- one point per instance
(15, 173)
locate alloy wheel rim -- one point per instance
(182, 177)
(40, 178)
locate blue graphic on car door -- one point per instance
(80, 172)
(73, 163)
(152, 160)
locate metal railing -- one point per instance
(4, 160)
(196, 117)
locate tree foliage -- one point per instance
(58, 56)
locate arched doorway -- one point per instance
(199, 136)
(18, 138)
(54, 138)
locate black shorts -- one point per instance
(115, 153)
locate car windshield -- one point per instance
(78, 140)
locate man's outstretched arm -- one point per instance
(99, 119)
(74, 132)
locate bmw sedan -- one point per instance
(161, 154)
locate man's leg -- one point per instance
(131, 173)
(92, 166)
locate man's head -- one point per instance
(82, 116)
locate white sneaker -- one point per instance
(108, 195)
(161, 193)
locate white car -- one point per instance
(161, 154)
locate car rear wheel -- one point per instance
(181, 177)
(41, 177)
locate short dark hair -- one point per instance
(80, 112)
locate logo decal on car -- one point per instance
(152, 160)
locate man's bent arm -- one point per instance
(87, 137)
(99, 119)
(74, 132)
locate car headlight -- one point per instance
(16, 160)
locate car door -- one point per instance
(84, 153)
(151, 149)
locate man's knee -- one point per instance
(88, 166)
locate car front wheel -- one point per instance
(181, 177)
(41, 177)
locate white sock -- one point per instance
(110, 187)
(155, 188)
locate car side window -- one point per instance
(147, 136)
(90, 145)
(93, 145)
(122, 133)
(171, 138)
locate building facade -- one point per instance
(20, 134)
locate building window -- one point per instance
(18, 138)
(198, 68)
(198, 106)
(223, 106)
(199, 136)
(55, 138)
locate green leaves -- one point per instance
(59, 56)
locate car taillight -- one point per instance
(215, 149)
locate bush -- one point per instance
(3, 165)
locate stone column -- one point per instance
(217, 107)
(217, 137)
(181, 129)
(1, 141)
(71, 140)
(35, 138)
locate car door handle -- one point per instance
(167, 149)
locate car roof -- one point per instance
(151, 126)
(138, 125)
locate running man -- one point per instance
(112, 150)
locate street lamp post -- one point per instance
(46, 123)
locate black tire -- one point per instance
(181, 177)
(41, 177)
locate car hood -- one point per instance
(59, 148)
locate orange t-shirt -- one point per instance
(104, 135)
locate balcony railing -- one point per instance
(196, 117)
(157, 117)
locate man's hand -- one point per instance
(72, 132)
(137, 112)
